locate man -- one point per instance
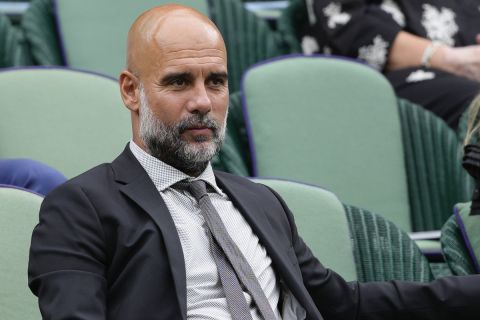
(134, 239)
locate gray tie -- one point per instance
(240, 265)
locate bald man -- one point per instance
(127, 240)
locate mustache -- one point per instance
(197, 121)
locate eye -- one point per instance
(178, 82)
(217, 82)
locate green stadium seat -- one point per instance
(349, 133)
(13, 51)
(330, 122)
(234, 157)
(435, 178)
(69, 120)
(322, 223)
(356, 243)
(453, 245)
(18, 216)
(93, 34)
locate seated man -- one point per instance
(157, 234)
(30, 174)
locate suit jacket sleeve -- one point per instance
(67, 257)
(442, 299)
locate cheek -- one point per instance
(219, 106)
(167, 108)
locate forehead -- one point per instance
(186, 43)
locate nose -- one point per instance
(200, 101)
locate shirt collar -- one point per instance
(164, 175)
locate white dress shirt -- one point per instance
(205, 295)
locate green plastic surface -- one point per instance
(321, 222)
(18, 216)
(69, 120)
(333, 123)
(94, 33)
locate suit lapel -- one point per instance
(252, 207)
(138, 186)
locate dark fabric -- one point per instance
(435, 177)
(446, 95)
(107, 235)
(382, 251)
(456, 22)
(366, 29)
(30, 174)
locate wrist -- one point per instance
(442, 59)
(431, 55)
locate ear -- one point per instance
(129, 90)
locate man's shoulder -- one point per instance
(97, 178)
(98, 174)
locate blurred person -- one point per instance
(429, 50)
(30, 174)
(158, 234)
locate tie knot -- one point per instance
(197, 188)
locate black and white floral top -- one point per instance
(365, 29)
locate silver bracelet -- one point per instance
(429, 52)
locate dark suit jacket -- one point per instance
(106, 247)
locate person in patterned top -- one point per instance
(429, 50)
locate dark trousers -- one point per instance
(446, 95)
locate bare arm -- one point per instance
(407, 51)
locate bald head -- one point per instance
(168, 27)
(176, 86)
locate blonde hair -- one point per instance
(473, 123)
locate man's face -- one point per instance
(183, 102)
(164, 141)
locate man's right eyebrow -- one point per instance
(170, 77)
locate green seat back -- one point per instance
(321, 222)
(248, 38)
(453, 245)
(233, 156)
(436, 178)
(93, 33)
(18, 216)
(330, 122)
(13, 51)
(382, 251)
(40, 30)
(67, 119)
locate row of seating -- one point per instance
(366, 247)
(75, 34)
(374, 151)
(415, 191)
(78, 100)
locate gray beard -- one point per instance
(164, 141)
